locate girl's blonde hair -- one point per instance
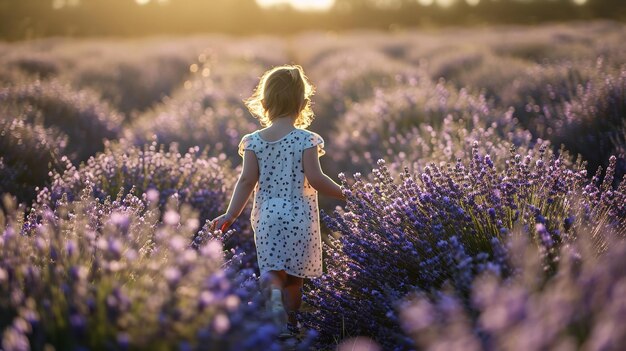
(282, 91)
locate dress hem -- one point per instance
(288, 271)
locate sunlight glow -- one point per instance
(445, 3)
(472, 2)
(302, 5)
(59, 4)
(580, 2)
(425, 2)
(145, 2)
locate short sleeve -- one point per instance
(245, 144)
(313, 140)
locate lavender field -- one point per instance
(483, 169)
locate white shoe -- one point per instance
(289, 330)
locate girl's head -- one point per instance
(282, 91)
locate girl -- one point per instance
(281, 166)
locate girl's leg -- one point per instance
(273, 279)
(292, 296)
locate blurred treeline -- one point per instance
(27, 19)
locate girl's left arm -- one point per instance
(243, 189)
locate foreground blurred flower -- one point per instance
(93, 274)
(580, 308)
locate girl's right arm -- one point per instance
(243, 189)
(318, 180)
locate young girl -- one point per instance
(281, 165)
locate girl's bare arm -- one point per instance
(317, 178)
(243, 189)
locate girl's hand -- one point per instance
(222, 222)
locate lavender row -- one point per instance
(438, 229)
(193, 178)
(79, 114)
(111, 275)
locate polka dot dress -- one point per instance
(285, 213)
